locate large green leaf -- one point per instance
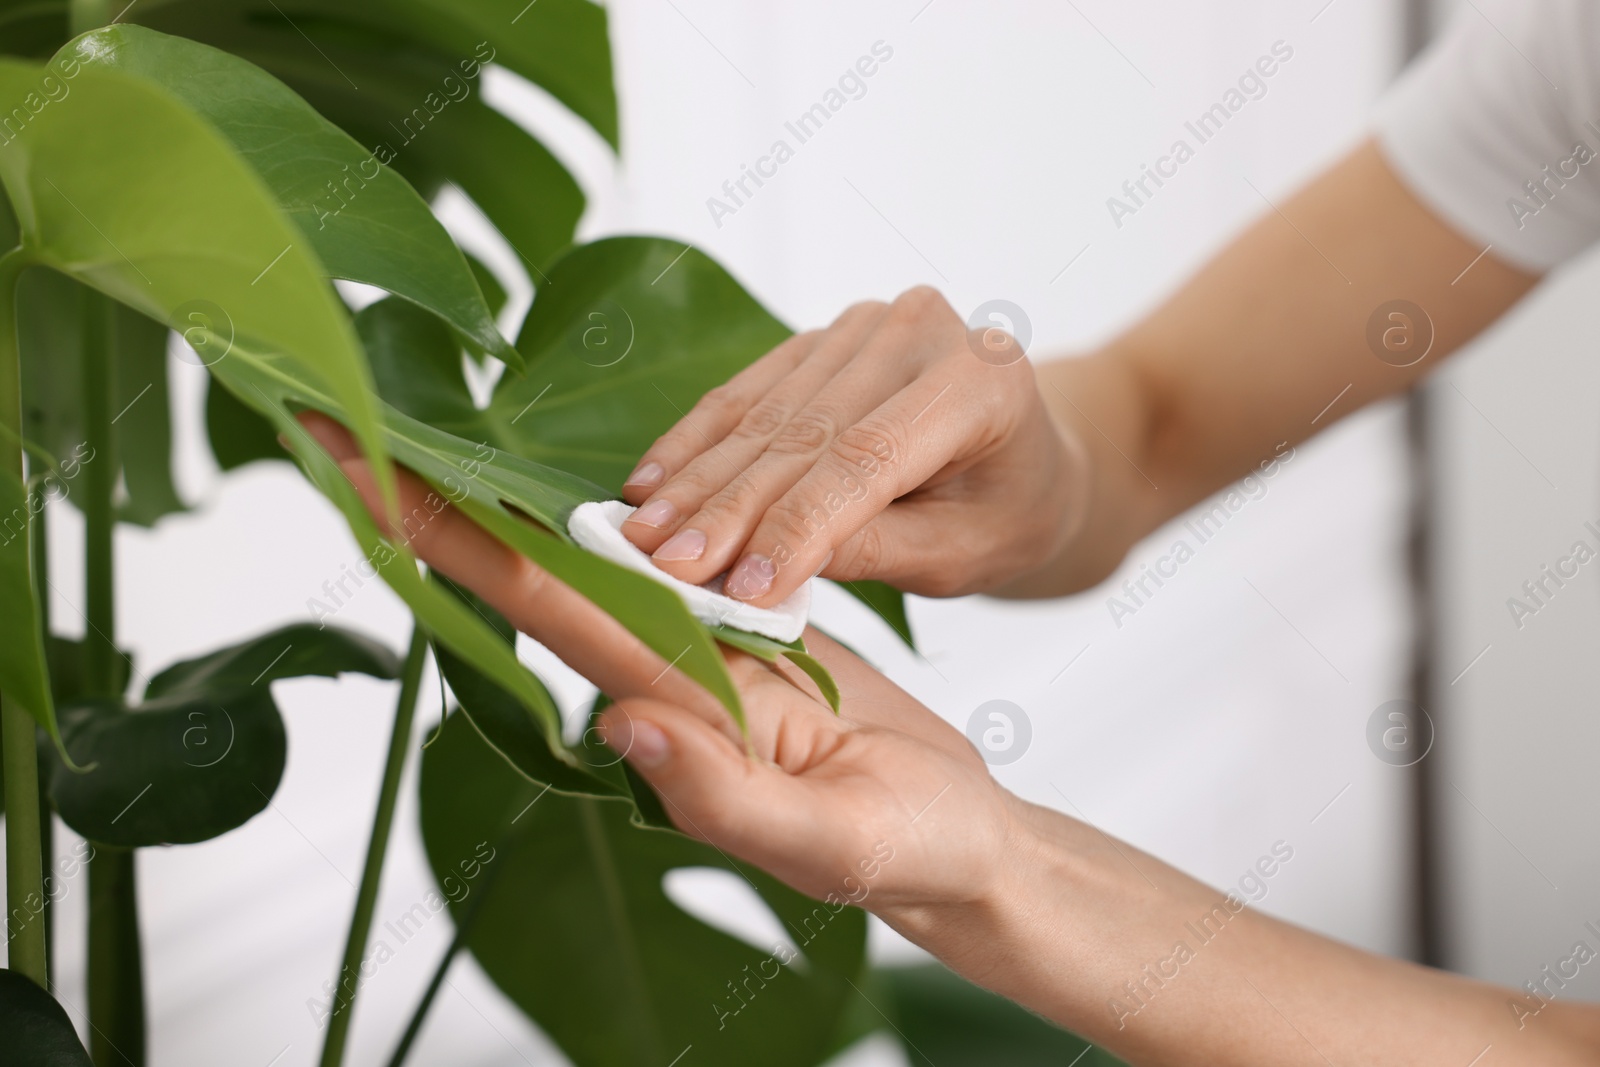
(36, 1028)
(559, 45)
(365, 223)
(945, 1021)
(69, 674)
(236, 433)
(417, 367)
(486, 483)
(666, 980)
(523, 189)
(508, 728)
(628, 334)
(205, 750)
(121, 185)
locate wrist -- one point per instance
(1005, 911)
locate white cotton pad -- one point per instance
(597, 526)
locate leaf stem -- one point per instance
(348, 979)
(505, 844)
(24, 855)
(116, 965)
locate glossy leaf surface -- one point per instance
(205, 750)
(37, 1030)
(362, 219)
(668, 981)
(121, 185)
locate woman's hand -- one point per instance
(895, 444)
(884, 800)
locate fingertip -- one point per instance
(637, 739)
(645, 479)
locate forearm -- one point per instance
(1161, 969)
(1265, 346)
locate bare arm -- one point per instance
(1254, 350)
(1164, 970)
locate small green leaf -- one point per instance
(888, 602)
(300, 650)
(765, 648)
(204, 752)
(667, 978)
(36, 1028)
(177, 770)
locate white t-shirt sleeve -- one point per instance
(1497, 128)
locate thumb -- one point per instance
(711, 790)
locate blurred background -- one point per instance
(1228, 714)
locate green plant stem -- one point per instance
(504, 845)
(38, 545)
(99, 514)
(24, 855)
(355, 946)
(116, 971)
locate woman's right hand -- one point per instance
(896, 444)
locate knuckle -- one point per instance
(529, 579)
(866, 446)
(868, 552)
(723, 508)
(920, 302)
(696, 480)
(808, 432)
(796, 521)
(866, 309)
(764, 420)
(719, 400)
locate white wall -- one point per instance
(1518, 445)
(1221, 718)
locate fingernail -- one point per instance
(650, 747)
(751, 577)
(682, 546)
(646, 475)
(823, 565)
(657, 513)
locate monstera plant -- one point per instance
(208, 168)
